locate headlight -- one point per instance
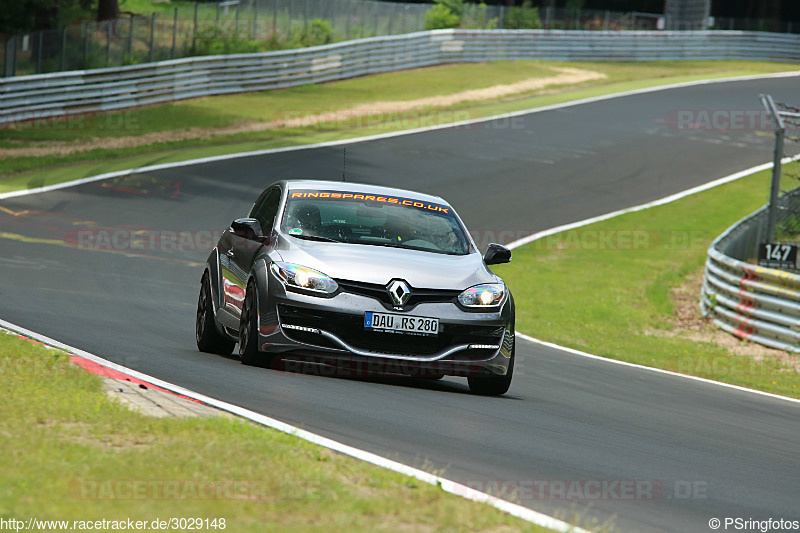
(486, 295)
(304, 278)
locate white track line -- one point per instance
(651, 369)
(447, 485)
(225, 157)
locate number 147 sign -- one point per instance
(777, 255)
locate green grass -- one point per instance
(71, 453)
(224, 111)
(619, 307)
(145, 7)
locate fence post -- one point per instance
(236, 24)
(108, 43)
(174, 33)
(274, 18)
(152, 35)
(255, 20)
(289, 27)
(777, 155)
(64, 49)
(39, 53)
(194, 31)
(305, 17)
(10, 53)
(130, 40)
(85, 49)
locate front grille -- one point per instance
(379, 292)
(350, 328)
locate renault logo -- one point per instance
(399, 292)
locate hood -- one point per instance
(379, 265)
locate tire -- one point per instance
(248, 330)
(208, 338)
(493, 385)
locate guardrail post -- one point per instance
(777, 155)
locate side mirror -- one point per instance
(247, 228)
(496, 254)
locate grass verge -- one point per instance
(72, 453)
(622, 306)
(165, 125)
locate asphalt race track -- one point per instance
(693, 451)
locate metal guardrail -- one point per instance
(50, 95)
(751, 302)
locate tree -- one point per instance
(22, 16)
(107, 9)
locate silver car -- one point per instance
(371, 279)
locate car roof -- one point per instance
(361, 188)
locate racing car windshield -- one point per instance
(360, 218)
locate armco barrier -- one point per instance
(48, 95)
(751, 302)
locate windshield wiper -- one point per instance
(417, 248)
(315, 238)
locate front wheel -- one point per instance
(208, 338)
(493, 385)
(248, 329)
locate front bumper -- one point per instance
(331, 330)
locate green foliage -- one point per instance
(208, 47)
(20, 16)
(455, 6)
(440, 17)
(474, 18)
(318, 33)
(522, 17)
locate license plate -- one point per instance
(391, 323)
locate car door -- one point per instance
(237, 258)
